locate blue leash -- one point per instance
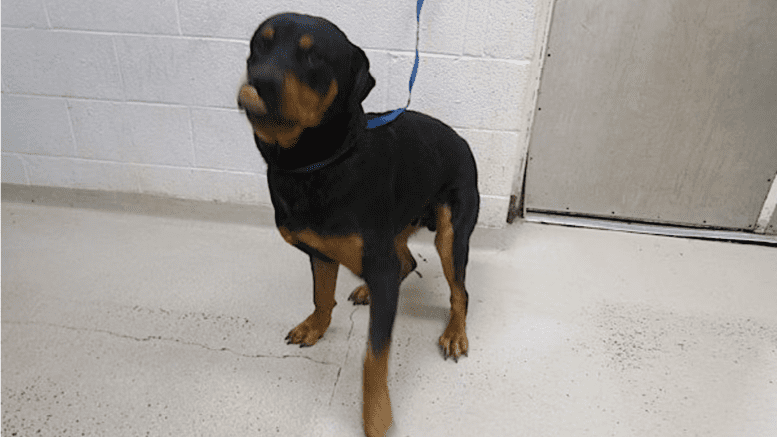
(387, 118)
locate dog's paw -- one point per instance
(360, 296)
(377, 417)
(308, 332)
(454, 341)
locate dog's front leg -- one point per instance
(308, 332)
(383, 282)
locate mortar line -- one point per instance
(234, 109)
(178, 17)
(142, 164)
(133, 34)
(119, 68)
(464, 57)
(46, 14)
(68, 109)
(124, 100)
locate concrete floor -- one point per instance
(122, 324)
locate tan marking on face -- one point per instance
(306, 42)
(268, 33)
(303, 104)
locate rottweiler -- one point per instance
(346, 194)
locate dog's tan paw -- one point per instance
(360, 296)
(308, 332)
(454, 341)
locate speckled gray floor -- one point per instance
(116, 324)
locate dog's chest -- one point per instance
(345, 249)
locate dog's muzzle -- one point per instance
(300, 107)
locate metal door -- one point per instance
(661, 111)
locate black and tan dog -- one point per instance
(345, 194)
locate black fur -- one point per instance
(341, 178)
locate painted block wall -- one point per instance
(140, 96)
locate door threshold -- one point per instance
(650, 229)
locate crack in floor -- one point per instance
(167, 339)
(345, 360)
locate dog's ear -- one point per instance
(363, 82)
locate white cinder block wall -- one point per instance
(140, 96)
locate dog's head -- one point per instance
(302, 70)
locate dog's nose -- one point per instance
(268, 82)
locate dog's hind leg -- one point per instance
(454, 227)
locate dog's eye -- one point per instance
(262, 45)
(312, 58)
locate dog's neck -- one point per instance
(317, 147)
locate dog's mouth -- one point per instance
(301, 107)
